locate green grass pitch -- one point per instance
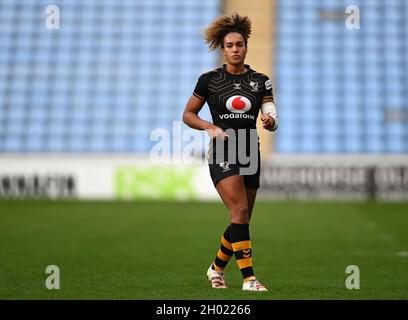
(161, 250)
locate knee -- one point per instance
(240, 214)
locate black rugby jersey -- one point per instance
(234, 100)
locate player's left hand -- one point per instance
(267, 121)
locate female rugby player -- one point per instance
(235, 94)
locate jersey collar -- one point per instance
(224, 67)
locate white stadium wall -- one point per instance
(136, 178)
(336, 177)
(101, 177)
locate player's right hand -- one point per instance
(217, 133)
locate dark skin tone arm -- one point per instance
(191, 118)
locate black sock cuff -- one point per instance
(240, 226)
(227, 234)
(239, 232)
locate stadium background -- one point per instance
(79, 106)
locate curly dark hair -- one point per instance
(220, 27)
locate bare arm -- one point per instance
(190, 114)
(191, 118)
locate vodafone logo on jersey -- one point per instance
(238, 104)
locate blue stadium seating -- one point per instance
(341, 82)
(112, 73)
(116, 70)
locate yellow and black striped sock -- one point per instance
(241, 245)
(224, 252)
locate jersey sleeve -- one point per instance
(201, 88)
(268, 90)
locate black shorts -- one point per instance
(225, 165)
